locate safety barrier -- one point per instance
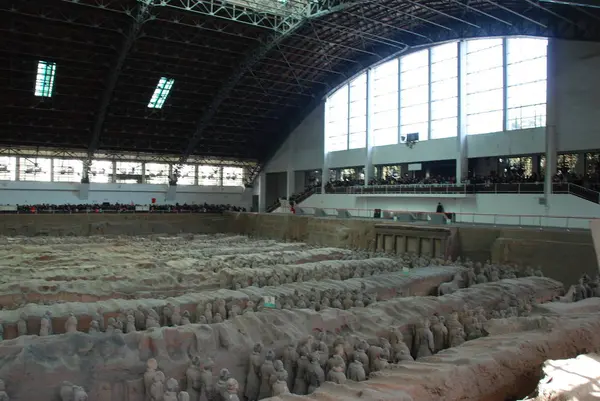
(432, 218)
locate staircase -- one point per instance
(579, 191)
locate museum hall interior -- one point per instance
(225, 200)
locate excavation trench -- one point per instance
(417, 282)
(121, 358)
(494, 368)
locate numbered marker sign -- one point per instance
(269, 302)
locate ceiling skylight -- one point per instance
(161, 92)
(44, 83)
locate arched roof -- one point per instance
(245, 72)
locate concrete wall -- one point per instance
(109, 224)
(578, 100)
(304, 148)
(563, 255)
(276, 186)
(13, 193)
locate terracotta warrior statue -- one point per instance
(151, 366)
(314, 373)
(356, 371)
(193, 375)
(336, 371)
(279, 379)
(253, 377)
(423, 340)
(157, 390)
(266, 370)
(290, 362)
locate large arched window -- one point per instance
(503, 83)
(485, 77)
(384, 117)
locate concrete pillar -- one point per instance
(17, 168)
(429, 95)
(462, 158)
(580, 165)
(143, 172)
(369, 168)
(325, 171)
(504, 84)
(551, 114)
(221, 176)
(291, 183)
(291, 175)
(51, 169)
(262, 192)
(113, 177)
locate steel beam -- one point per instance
(139, 17)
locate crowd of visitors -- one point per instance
(122, 208)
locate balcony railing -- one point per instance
(433, 218)
(440, 189)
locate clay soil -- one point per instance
(77, 275)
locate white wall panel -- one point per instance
(578, 101)
(509, 143)
(15, 193)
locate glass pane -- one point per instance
(385, 136)
(444, 70)
(67, 170)
(358, 124)
(444, 89)
(420, 128)
(187, 175)
(444, 52)
(385, 119)
(157, 173)
(520, 49)
(8, 168)
(485, 101)
(444, 109)
(208, 175)
(101, 171)
(128, 173)
(34, 169)
(527, 117)
(484, 123)
(527, 71)
(485, 80)
(527, 94)
(414, 114)
(385, 102)
(233, 177)
(385, 70)
(414, 61)
(358, 108)
(410, 97)
(413, 78)
(357, 140)
(445, 128)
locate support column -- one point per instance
(51, 169)
(551, 114)
(504, 85)
(462, 158)
(429, 95)
(369, 168)
(262, 192)
(143, 172)
(17, 168)
(113, 177)
(325, 169)
(291, 173)
(221, 176)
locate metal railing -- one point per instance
(494, 219)
(492, 188)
